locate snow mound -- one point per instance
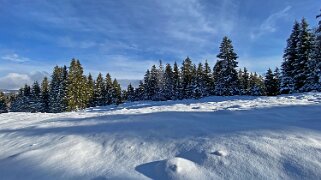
(220, 153)
(175, 168)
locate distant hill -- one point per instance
(125, 82)
(7, 91)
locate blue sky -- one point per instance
(125, 37)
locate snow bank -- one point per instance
(212, 138)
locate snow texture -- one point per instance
(211, 138)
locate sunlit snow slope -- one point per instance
(212, 138)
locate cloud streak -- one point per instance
(269, 25)
(15, 58)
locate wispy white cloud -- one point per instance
(269, 25)
(14, 81)
(261, 63)
(13, 57)
(68, 42)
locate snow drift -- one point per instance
(211, 138)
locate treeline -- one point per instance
(70, 90)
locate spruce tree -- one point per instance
(169, 83)
(45, 95)
(130, 93)
(140, 92)
(208, 80)
(187, 77)
(271, 83)
(159, 94)
(257, 87)
(199, 82)
(99, 91)
(57, 93)
(90, 90)
(36, 104)
(176, 82)
(116, 93)
(301, 68)
(77, 87)
(3, 105)
(226, 80)
(314, 64)
(108, 89)
(153, 83)
(317, 53)
(289, 58)
(147, 90)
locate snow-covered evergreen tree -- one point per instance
(3, 105)
(147, 90)
(271, 83)
(57, 93)
(187, 77)
(90, 90)
(130, 93)
(45, 94)
(199, 82)
(177, 88)
(169, 82)
(301, 64)
(208, 80)
(244, 81)
(226, 76)
(257, 87)
(116, 93)
(160, 94)
(108, 89)
(313, 81)
(77, 87)
(36, 103)
(289, 58)
(140, 92)
(99, 98)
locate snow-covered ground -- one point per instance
(211, 138)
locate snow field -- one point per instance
(211, 138)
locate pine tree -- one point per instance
(3, 105)
(140, 92)
(169, 83)
(147, 90)
(153, 83)
(116, 93)
(35, 98)
(159, 94)
(301, 68)
(277, 80)
(57, 93)
(317, 54)
(108, 89)
(130, 93)
(257, 87)
(176, 82)
(99, 91)
(314, 64)
(199, 82)
(90, 90)
(271, 83)
(289, 58)
(208, 80)
(45, 95)
(77, 87)
(226, 80)
(187, 77)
